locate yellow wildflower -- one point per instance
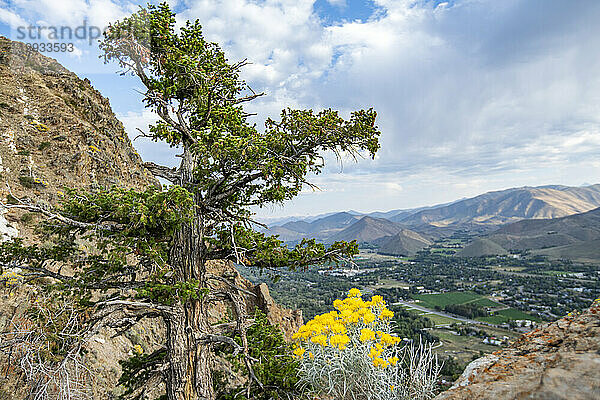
(380, 362)
(338, 304)
(369, 317)
(366, 334)
(299, 352)
(354, 292)
(339, 341)
(319, 339)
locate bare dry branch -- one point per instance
(161, 171)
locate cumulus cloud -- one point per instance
(472, 95)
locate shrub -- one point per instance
(31, 182)
(27, 218)
(351, 353)
(44, 145)
(27, 181)
(276, 369)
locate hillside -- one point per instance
(575, 237)
(57, 130)
(481, 247)
(404, 243)
(367, 229)
(558, 361)
(511, 205)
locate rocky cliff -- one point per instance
(558, 361)
(57, 131)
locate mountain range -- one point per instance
(405, 231)
(576, 237)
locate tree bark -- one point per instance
(189, 375)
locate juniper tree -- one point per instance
(153, 246)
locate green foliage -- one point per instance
(169, 294)
(268, 252)
(44, 145)
(27, 218)
(452, 368)
(276, 369)
(137, 370)
(27, 181)
(151, 213)
(468, 310)
(412, 326)
(23, 153)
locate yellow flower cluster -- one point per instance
(299, 352)
(11, 278)
(381, 363)
(40, 182)
(137, 349)
(352, 313)
(339, 341)
(39, 126)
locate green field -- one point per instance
(444, 299)
(485, 302)
(507, 315)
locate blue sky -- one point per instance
(472, 95)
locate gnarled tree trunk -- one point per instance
(189, 374)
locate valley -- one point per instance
(464, 306)
(468, 277)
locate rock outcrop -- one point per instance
(57, 130)
(558, 361)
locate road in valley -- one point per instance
(440, 313)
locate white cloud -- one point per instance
(10, 18)
(471, 95)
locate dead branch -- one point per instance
(161, 171)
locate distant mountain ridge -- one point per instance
(575, 237)
(481, 214)
(511, 205)
(367, 229)
(404, 243)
